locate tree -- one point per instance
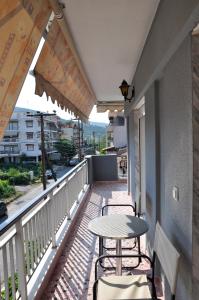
(66, 149)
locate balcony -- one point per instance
(12, 131)
(10, 140)
(47, 245)
(10, 152)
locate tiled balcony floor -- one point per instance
(73, 276)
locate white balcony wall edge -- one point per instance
(30, 240)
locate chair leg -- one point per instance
(100, 246)
(139, 250)
(95, 290)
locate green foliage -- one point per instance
(14, 176)
(66, 149)
(6, 190)
(20, 179)
(102, 152)
(12, 172)
(3, 293)
(3, 175)
(102, 144)
(19, 174)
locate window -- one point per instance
(29, 135)
(13, 125)
(30, 147)
(29, 123)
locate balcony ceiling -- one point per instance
(109, 36)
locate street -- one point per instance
(32, 191)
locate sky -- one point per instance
(28, 99)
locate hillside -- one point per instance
(100, 130)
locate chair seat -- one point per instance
(123, 288)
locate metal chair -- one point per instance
(134, 287)
(136, 210)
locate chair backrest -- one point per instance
(167, 255)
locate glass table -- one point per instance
(117, 227)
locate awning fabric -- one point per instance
(58, 75)
(111, 106)
(21, 26)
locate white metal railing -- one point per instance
(25, 237)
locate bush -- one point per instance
(10, 170)
(20, 179)
(15, 176)
(3, 176)
(6, 190)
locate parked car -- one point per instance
(3, 209)
(73, 162)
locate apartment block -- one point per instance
(23, 136)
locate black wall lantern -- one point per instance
(124, 87)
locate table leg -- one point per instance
(119, 259)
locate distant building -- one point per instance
(78, 135)
(22, 136)
(116, 130)
(67, 129)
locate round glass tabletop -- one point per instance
(118, 226)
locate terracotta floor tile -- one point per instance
(73, 276)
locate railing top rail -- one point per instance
(24, 210)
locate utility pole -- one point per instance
(79, 138)
(43, 151)
(94, 141)
(99, 143)
(82, 139)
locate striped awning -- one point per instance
(58, 75)
(21, 26)
(111, 106)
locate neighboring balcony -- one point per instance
(10, 152)
(49, 236)
(10, 140)
(11, 131)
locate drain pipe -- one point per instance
(57, 8)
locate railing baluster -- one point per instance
(5, 271)
(39, 234)
(68, 207)
(20, 260)
(49, 236)
(12, 269)
(36, 238)
(52, 210)
(42, 231)
(45, 224)
(31, 245)
(27, 255)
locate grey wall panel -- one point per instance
(152, 159)
(175, 107)
(105, 167)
